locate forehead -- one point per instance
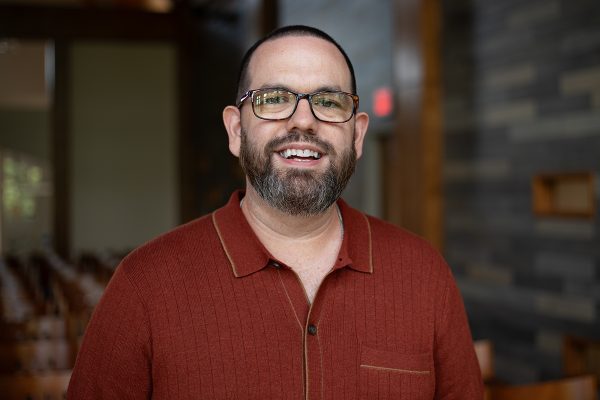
(301, 63)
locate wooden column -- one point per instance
(61, 150)
(185, 78)
(413, 154)
(268, 18)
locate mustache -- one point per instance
(299, 137)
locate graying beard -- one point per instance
(277, 191)
(314, 198)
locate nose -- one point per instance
(303, 119)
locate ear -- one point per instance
(361, 123)
(233, 125)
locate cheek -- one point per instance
(261, 132)
(357, 145)
(254, 140)
(346, 139)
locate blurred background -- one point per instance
(484, 139)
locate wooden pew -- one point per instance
(39, 327)
(24, 282)
(484, 349)
(42, 386)
(37, 355)
(581, 356)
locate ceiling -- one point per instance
(222, 6)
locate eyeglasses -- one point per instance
(275, 104)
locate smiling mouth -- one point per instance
(300, 154)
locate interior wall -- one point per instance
(25, 131)
(123, 154)
(522, 83)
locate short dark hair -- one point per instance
(290, 30)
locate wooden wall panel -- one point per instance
(413, 154)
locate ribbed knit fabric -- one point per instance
(204, 312)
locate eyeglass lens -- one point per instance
(280, 104)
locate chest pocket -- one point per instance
(390, 375)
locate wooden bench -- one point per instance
(581, 356)
(484, 349)
(39, 327)
(37, 355)
(42, 386)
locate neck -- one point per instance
(267, 221)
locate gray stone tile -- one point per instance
(565, 228)
(563, 307)
(534, 12)
(516, 370)
(510, 76)
(505, 43)
(576, 125)
(461, 223)
(514, 224)
(595, 100)
(540, 302)
(556, 105)
(588, 289)
(506, 297)
(545, 284)
(484, 169)
(489, 273)
(565, 265)
(578, 81)
(509, 113)
(548, 341)
(580, 40)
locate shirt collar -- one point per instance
(247, 254)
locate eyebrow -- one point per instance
(334, 88)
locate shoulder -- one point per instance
(179, 244)
(396, 247)
(384, 232)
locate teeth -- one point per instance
(287, 153)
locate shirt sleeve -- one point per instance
(456, 366)
(114, 361)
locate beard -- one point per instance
(297, 191)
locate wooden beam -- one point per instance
(269, 16)
(185, 77)
(43, 22)
(414, 153)
(60, 139)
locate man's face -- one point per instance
(273, 153)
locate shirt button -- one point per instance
(275, 265)
(312, 329)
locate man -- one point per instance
(286, 292)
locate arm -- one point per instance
(114, 361)
(456, 366)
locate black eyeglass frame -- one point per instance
(299, 96)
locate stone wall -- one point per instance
(522, 97)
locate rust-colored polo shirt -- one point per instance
(205, 312)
